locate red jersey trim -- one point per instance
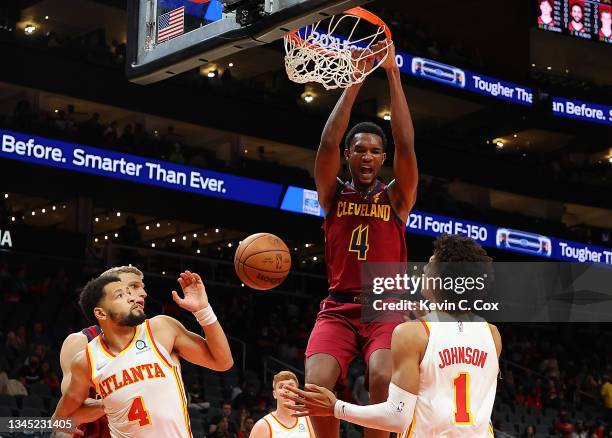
(426, 327)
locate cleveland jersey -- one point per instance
(458, 380)
(140, 387)
(301, 428)
(360, 229)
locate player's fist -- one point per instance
(195, 297)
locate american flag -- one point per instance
(170, 24)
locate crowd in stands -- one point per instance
(555, 382)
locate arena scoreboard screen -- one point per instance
(587, 19)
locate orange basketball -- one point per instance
(262, 261)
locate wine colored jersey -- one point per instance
(360, 229)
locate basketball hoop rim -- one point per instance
(358, 12)
(343, 63)
(371, 18)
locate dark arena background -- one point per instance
(513, 123)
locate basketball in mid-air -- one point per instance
(262, 261)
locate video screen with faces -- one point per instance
(587, 19)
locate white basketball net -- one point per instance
(316, 54)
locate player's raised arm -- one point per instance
(214, 351)
(91, 409)
(403, 191)
(395, 415)
(327, 163)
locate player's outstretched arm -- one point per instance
(406, 174)
(91, 409)
(214, 351)
(261, 430)
(327, 163)
(394, 415)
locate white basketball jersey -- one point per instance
(458, 380)
(300, 429)
(141, 388)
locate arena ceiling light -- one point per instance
(29, 29)
(308, 97)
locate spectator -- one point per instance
(196, 399)
(244, 415)
(228, 413)
(38, 336)
(563, 426)
(606, 392)
(529, 432)
(520, 398)
(534, 401)
(11, 386)
(221, 429)
(16, 341)
(177, 156)
(550, 366)
(111, 133)
(31, 372)
(126, 141)
(236, 391)
(63, 123)
(248, 426)
(141, 140)
(49, 378)
(580, 432)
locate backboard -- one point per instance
(168, 37)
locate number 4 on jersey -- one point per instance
(359, 241)
(138, 412)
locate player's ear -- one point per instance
(384, 157)
(347, 153)
(99, 313)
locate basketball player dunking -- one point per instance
(281, 423)
(365, 222)
(91, 415)
(134, 363)
(445, 367)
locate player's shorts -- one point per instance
(340, 332)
